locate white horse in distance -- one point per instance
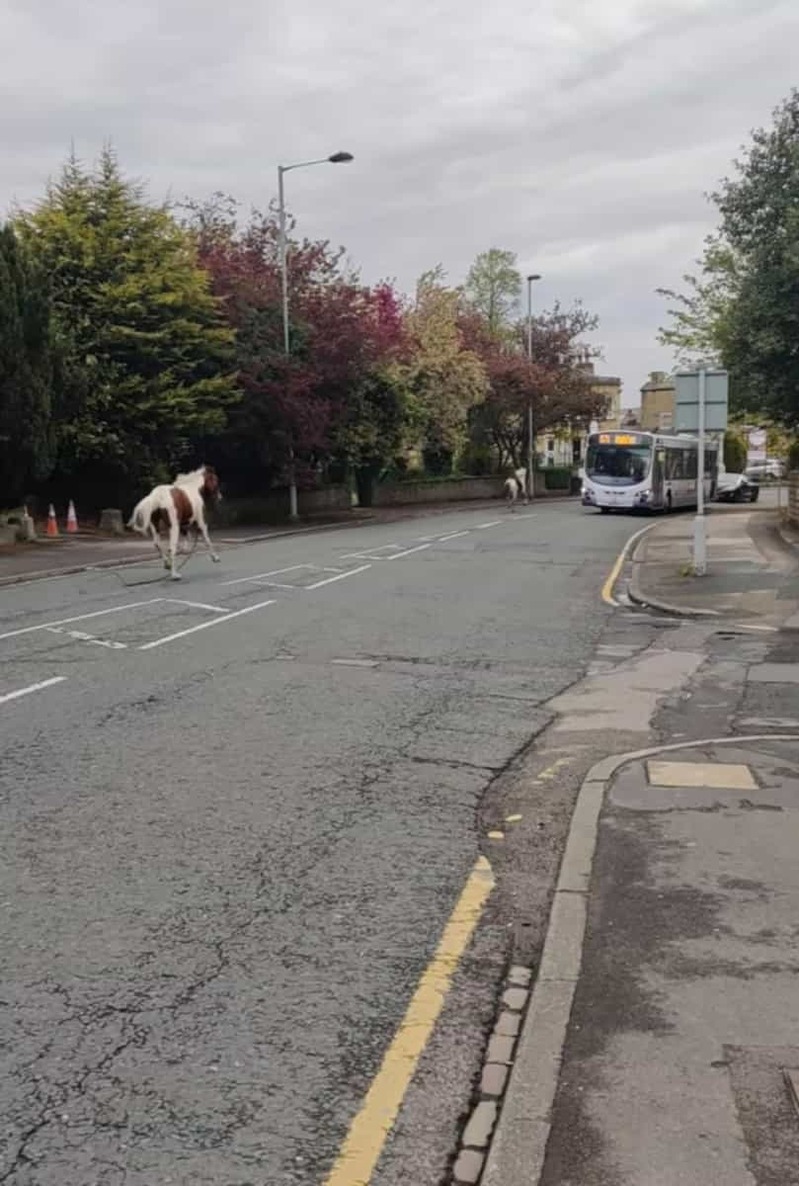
(515, 486)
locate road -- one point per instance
(237, 813)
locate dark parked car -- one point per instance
(737, 488)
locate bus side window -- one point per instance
(673, 464)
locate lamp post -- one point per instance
(530, 435)
(338, 158)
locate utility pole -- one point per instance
(338, 158)
(530, 418)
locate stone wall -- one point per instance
(273, 507)
(389, 494)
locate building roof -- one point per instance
(658, 381)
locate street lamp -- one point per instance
(338, 158)
(530, 437)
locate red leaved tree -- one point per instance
(554, 381)
(342, 334)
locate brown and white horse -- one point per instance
(180, 506)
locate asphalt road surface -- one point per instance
(236, 813)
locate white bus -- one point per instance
(645, 471)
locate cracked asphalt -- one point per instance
(226, 860)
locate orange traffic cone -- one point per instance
(72, 518)
(52, 523)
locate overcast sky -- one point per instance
(581, 134)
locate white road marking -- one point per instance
(370, 553)
(45, 683)
(342, 576)
(483, 526)
(355, 662)
(260, 576)
(454, 535)
(525, 515)
(409, 552)
(159, 642)
(216, 609)
(82, 636)
(117, 609)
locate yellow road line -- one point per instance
(369, 1130)
(552, 770)
(613, 576)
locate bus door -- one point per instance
(658, 476)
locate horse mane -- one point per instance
(185, 479)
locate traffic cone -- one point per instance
(72, 518)
(52, 523)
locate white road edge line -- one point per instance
(45, 683)
(342, 576)
(261, 575)
(216, 609)
(454, 535)
(116, 609)
(159, 642)
(483, 526)
(409, 552)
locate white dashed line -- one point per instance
(159, 642)
(409, 552)
(484, 526)
(45, 683)
(215, 609)
(342, 576)
(82, 636)
(117, 609)
(261, 576)
(453, 535)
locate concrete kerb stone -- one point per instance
(518, 1146)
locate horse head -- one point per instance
(210, 488)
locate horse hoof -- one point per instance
(176, 576)
(215, 559)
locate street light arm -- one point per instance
(301, 165)
(337, 158)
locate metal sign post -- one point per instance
(700, 406)
(700, 532)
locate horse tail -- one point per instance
(138, 520)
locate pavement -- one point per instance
(751, 567)
(659, 1046)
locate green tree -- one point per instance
(26, 371)
(144, 351)
(735, 450)
(744, 308)
(445, 378)
(493, 287)
(700, 316)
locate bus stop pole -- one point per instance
(700, 536)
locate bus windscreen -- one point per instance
(617, 465)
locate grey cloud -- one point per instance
(581, 135)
